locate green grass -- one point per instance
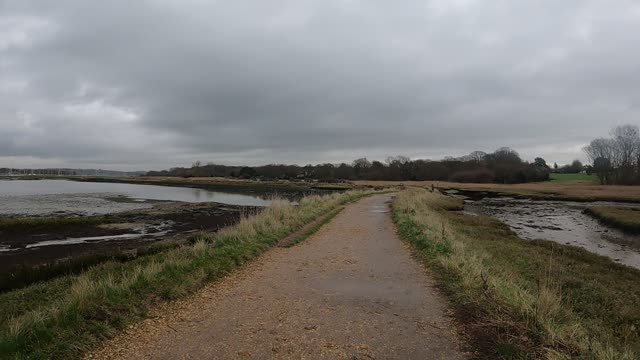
(624, 218)
(27, 275)
(523, 299)
(66, 316)
(32, 224)
(573, 178)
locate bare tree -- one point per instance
(601, 153)
(400, 159)
(627, 145)
(477, 156)
(617, 159)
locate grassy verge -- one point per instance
(523, 299)
(624, 218)
(63, 317)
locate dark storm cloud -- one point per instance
(159, 83)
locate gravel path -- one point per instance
(350, 291)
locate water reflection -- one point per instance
(41, 197)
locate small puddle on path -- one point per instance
(379, 209)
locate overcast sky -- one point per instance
(155, 84)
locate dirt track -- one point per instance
(351, 291)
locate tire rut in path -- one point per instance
(352, 290)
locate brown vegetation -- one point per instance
(576, 191)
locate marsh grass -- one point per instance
(63, 317)
(523, 299)
(48, 223)
(27, 275)
(581, 191)
(624, 218)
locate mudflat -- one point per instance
(352, 290)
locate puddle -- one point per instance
(5, 248)
(143, 231)
(381, 209)
(562, 222)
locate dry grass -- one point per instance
(523, 299)
(578, 191)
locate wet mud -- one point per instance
(124, 232)
(563, 222)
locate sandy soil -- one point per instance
(350, 291)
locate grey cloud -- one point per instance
(310, 81)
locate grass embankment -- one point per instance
(624, 218)
(523, 299)
(62, 318)
(27, 275)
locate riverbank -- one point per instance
(37, 249)
(563, 222)
(522, 299)
(623, 218)
(64, 317)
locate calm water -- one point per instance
(45, 197)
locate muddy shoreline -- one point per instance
(291, 191)
(114, 234)
(542, 194)
(563, 222)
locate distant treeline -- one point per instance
(616, 160)
(16, 172)
(502, 166)
(66, 172)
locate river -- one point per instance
(64, 197)
(560, 221)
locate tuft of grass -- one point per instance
(66, 316)
(523, 299)
(624, 218)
